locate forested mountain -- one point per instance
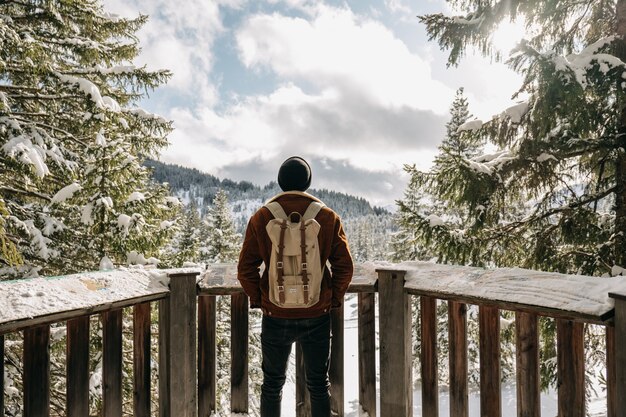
(191, 184)
(369, 228)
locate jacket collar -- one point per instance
(296, 193)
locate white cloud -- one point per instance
(350, 95)
(339, 48)
(179, 36)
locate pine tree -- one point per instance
(188, 240)
(72, 140)
(553, 194)
(426, 199)
(223, 242)
(72, 144)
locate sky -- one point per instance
(354, 87)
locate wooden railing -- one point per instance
(187, 321)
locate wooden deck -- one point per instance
(187, 325)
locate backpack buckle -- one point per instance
(305, 287)
(304, 265)
(281, 288)
(279, 265)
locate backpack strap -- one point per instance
(277, 210)
(279, 264)
(312, 210)
(304, 273)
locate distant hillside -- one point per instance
(190, 184)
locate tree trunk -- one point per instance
(620, 167)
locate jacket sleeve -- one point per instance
(248, 268)
(341, 266)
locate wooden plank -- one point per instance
(46, 319)
(367, 352)
(181, 346)
(303, 399)
(516, 307)
(221, 279)
(141, 360)
(77, 375)
(112, 363)
(239, 354)
(1, 375)
(164, 359)
(336, 371)
(611, 376)
(620, 353)
(207, 356)
(428, 357)
(527, 364)
(489, 345)
(577, 297)
(37, 372)
(71, 296)
(394, 317)
(457, 336)
(570, 368)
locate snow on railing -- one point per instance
(187, 325)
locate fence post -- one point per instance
(177, 348)
(527, 364)
(77, 374)
(620, 352)
(239, 353)
(207, 359)
(37, 371)
(112, 363)
(396, 397)
(141, 360)
(367, 352)
(457, 342)
(489, 345)
(428, 357)
(2, 375)
(336, 371)
(570, 368)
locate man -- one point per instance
(309, 325)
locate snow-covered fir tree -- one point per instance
(223, 243)
(74, 192)
(551, 194)
(428, 193)
(188, 240)
(72, 140)
(546, 185)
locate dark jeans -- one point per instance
(277, 336)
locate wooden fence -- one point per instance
(187, 337)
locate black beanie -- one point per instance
(294, 174)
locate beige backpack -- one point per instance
(295, 270)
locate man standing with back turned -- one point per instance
(295, 235)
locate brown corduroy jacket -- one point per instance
(257, 249)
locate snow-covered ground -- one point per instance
(549, 405)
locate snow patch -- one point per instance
(546, 157)
(618, 270)
(579, 64)
(66, 192)
(435, 220)
(516, 112)
(90, 89)
(472, 125)
(135, 196)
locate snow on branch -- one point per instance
(489, 163)
(472, 125)
(92, 90)
(66, 193)
(579, 64)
